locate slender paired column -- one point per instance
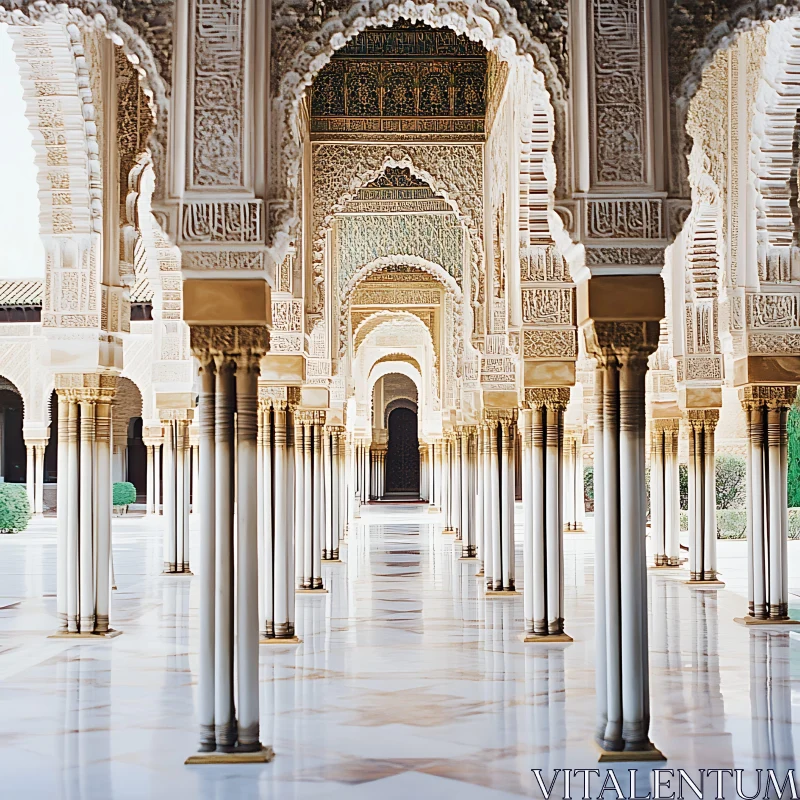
(84, 497)
(423, 471)
(468, 446)
(702, 497)
(623, 694)
(38, 507)
(665, 491)
(767, 408)
(195, 487)
(456, 478)
(150, 495)
(431, 478)
(334, 491)
(543, 549)
(310, 510)
(499, 545)
(573, 506)
(30, 473)
(157, 478)
(176, 492)
(229, 595)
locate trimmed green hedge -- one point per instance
(15, 509)
(731, 475)
(124, 494)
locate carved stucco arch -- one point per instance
(773, 157)
(717, 32)
(11, 373)
(379, 371)
(434, 270)
(97, 15)
(368, 163)
(492, 22)
(373, 321)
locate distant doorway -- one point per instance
(402, 458)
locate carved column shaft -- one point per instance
(665, 492)
(767, 408)
(229, 362)
(702, 495)
(543, 432)
(621, 351)
(84, 496)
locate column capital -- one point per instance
(309, 417)
(671, 423)
(207, 341)
(758, 396)
(86, 387)
(494, 415)
(629, 342)
(555, 398)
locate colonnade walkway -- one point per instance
(408, 682)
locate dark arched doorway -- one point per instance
(402, 458)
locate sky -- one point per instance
(21, 250)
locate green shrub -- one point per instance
(731, 474)
(684, 520)
(731, 523)
(794, 523)
(124, 494)
(588, 488)
(793, 429)
(683, 484)
(15, 509)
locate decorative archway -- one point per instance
(304, 52)
(402, 455)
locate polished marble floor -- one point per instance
(408, 683)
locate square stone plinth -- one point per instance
(621, 756)
(263, 756)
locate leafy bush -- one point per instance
(731, 473)
(15, 509)
(683, 484)
(124, 494)
(588, 488)
(684, 520)
(794, 523)
(793, 428)
(731, 523)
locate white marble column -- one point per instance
(311, 527)
(574, 510)
(623, 694)
(277, 532)
(247, 623)
(30, 474)
(150, 496)
(431, 478)
(157, 448)
(176, 493)
(702, 497)
(84, 496)
(767, 408)
(543, 549)
(467, 443)
(665, 492)
(195, 488)
(229, 596)
(334, 491)
(456, 475)
(38, 507)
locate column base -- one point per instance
(652, 753)
(783, 623)
(551, 638)
(663, 567)
(433, 510)
(109, 634)
(479, 573)
(449, 531)
(292, 640)
(469, 559)
(574, 529)
(311, 591)
(263, 756)
(502, 593)
(176, 574)
(332, 561)
(705, 584)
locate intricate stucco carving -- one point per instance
(453, 171)
(303, 43)
(363, 239)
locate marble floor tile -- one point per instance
(408, 683)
